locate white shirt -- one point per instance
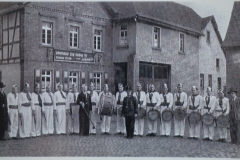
(57, 98)
(22, 98)
(123, 94)
(35, 100)
(183, 98)
(142, 97)
(225, 105)
(11, 100)
(94, 97)
(211, 105)
(169, 97)
(155, 98)
(70, 98)
(46, 98)
(198, 101)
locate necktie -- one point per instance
(50, 96)
(220, 102)
(165, 98)
(40, 100)
(178, 97)
(208, 100)
(28, 96)
(74, 97)
(119, 96)
(193, 99)
(62, 95)
(138, 95)
(150, 96)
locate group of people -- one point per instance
(33, 114)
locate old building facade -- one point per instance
(79, 42)
(231, 45)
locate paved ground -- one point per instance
(117, 146)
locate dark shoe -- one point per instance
(92, 133)
(149, 134)
(181, 136)
(102, 133)
(205, 139)
(210, 139)
(219, 139)
(176, 136)
(107, 133)
(167, 136)
(163, 135)
(117, 133)
(190, 137)
(224, 141)
(121, 133)
(154, 134)
(196, 138)
(140, 135)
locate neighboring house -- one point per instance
(212, 60)
(231, 45)
(108, 42)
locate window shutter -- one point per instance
(83, 78)
(57, 78)
(106, 78)
(65, 80)
(91, 77)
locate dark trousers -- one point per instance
(234, 129)
(129, 123)
(2, 123)
(83, 124)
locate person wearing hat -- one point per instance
(222, 108)
(12, 99)
(167, 103)
(153, 101)
(141, 101)
(94, 100)
(180, 101)
(194, 104)
(106, 119)
(47, 111)
(84, 100)
(121, 129)
(234, 116)
(25, 105)
(59, 105)
(129, 111)
(209, 104)
(36, 111)
(3, 111)
(73, 110)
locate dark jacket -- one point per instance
(235, 108)
(3, 111)
(129, 107)
(86, 101)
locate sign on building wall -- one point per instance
(69, 56)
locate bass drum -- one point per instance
(141, 113)
(194, 117)
(153, 114)
(107, 105)
(222, 121)
(167, 115)
(207, 119)
(179, 114)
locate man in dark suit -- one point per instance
(3, 112)
(129, 111)
(234, 116)
(84, 100)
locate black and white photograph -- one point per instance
(120, 79)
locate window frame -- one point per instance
(45, 76)
(47, 29)
(159, 37)
(201, 80)
(217, 63)
(125, 37)
(219, 84)
(72, 77)
(95, 82)
(101, 39)
(208, 36)
(210, 80)
(73, 33)
(179, 49)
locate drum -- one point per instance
(167, 115)
(107, 105)
(120, 111)
(207, 119)
(153, 115)
(141, 113)
(179, 114)
(222, 121)
(194, 117)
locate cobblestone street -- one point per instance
(118, 146)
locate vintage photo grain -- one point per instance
(120, 79)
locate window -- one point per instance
(97, 81)
(46, 79)
(181, 42)
(73, 79)
(156, 37)
(208, 36)
(73, 37)
(202, 81)
(145, 71)
(160, 72)
(46, 33)
(219, 83)
(123, 35)
(210, 80)
(217, 63)
(97, 39)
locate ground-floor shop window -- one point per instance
(46, 79)
(73, 79)
(97, 81)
